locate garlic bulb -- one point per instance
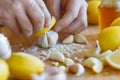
(49, 39)
(5, 48)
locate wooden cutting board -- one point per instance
(18, 42)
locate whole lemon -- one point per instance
(109, 38)
(4, 70)
(23, 65)
(92, 11)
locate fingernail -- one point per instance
(57, 29)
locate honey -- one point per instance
(108, 12)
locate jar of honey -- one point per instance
(109, 10)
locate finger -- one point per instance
(22, 18)
(54, 7)
(71, 13)
(9, 20)
(45, 11)
(36, 15)
(80, 23)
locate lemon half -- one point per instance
(114, 59)
(23, 65)
(45, 29)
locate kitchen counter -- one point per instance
(91, 32)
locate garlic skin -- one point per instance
(49, 39)
(5, 48)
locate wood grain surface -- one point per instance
(17, 42)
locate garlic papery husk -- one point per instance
(5, 48)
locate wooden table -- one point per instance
(108, 73)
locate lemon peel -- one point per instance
(92, 11)
(45, 29)
(109, 38)
(116, 22)
(4, 70)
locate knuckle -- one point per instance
(73, 14)
(5, 15)
(15, 8)
(28, 30)
(27, 2)
(63, 24)
(42, 18)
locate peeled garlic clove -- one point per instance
(68, 40)
(69, 62)
(80, 39)
(77, 69)
(98, 68)
(57, 57)
(95, 64)
(94, 52)
(90, 62)
(52, 38)
(104, 54)
(62, 68)
(43, 41)
(5, 48)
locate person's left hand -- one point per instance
(71, 15)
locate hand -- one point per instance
(24, 16)
(71, 14)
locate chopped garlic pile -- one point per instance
(62, 48)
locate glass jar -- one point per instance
(109, 10)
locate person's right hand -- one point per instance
(24, 16)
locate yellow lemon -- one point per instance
(23, 65)
(109, 38)
(92, 11)
(4, 70)
(45, 29)
(116, 22)
(114, 59)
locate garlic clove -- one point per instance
(62, 68)
(77, 69)
(80, 39)
(68, 40)
(90, 62)
(98, 67)
(52, 38)
(57, 57)
(95, 64)
(5, 48)
(43, 41)
(104, 54)
(68, 62)
(94, 52)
